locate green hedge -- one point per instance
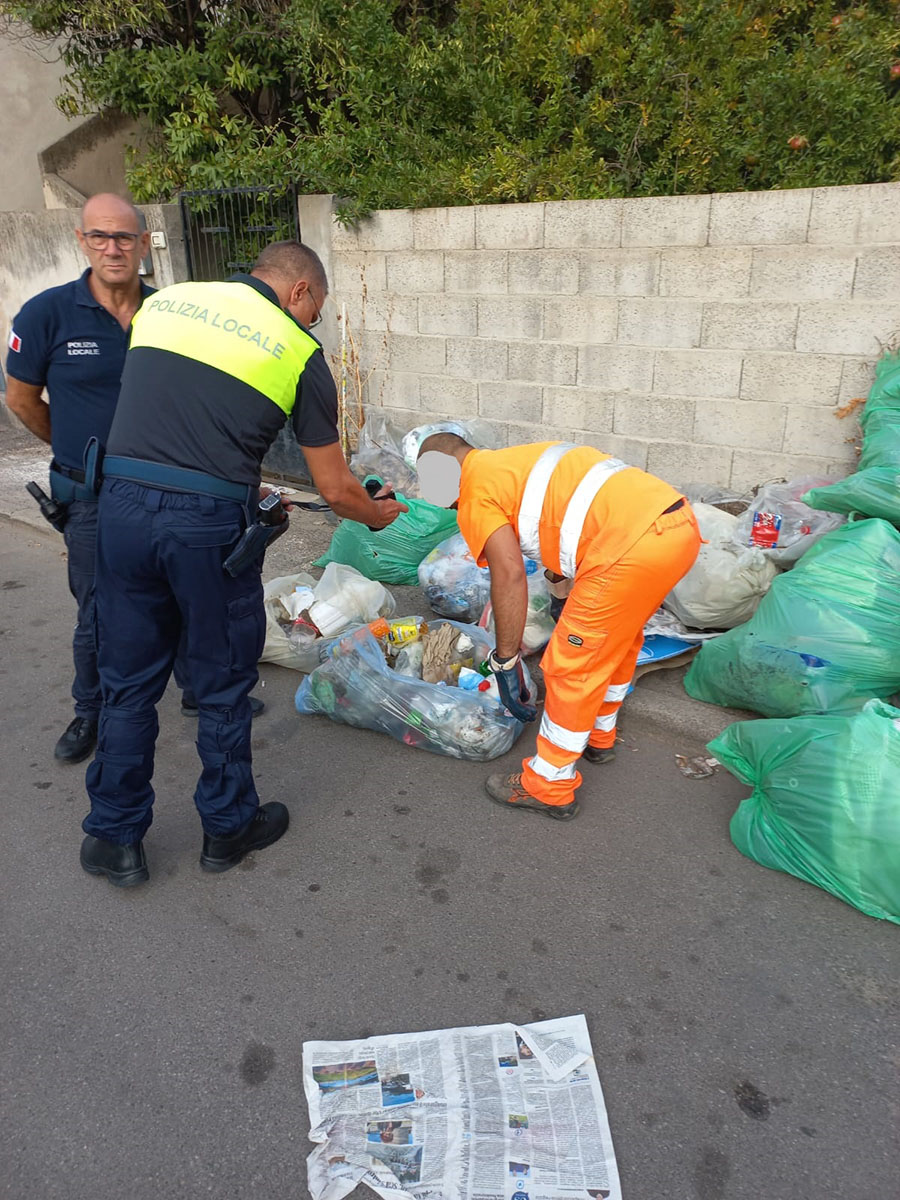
(416, 104)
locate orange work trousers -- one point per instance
(590, 661)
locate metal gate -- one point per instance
(225, 228)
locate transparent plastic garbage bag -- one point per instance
(355, 686)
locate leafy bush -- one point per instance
(410, 103)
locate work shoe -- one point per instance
(509, 791)
(123, 866)
(190, 709)
(265, 827)
(78, 741)
(599, 754)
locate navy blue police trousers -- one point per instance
(80, 534)
(159, 578)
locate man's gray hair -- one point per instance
(444, 443)
(291, 261)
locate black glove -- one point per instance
(511, 685)
(557, 604)
(373, 486)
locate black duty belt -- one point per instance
(178, 479)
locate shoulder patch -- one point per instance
(15, 342)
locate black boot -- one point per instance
(189, 707)
(267, 826)
(124, 866)
(78, 741)
(598, 754)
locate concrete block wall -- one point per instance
(699, 337)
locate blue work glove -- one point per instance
(511, 685)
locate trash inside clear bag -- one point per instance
(779, 523)
(350, 599)
(355, 686)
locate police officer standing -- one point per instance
(72, 340)
(213, 372)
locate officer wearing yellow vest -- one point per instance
(212, 373)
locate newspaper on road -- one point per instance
(489, 1112)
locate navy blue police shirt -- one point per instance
(66, 341)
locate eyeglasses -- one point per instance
(97, 240)
(318, 317)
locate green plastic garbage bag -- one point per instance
(874, 492)
(884, 395)
(826, 801)
(392, 555)
(825, 638)
(874, 489)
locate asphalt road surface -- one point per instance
(744, 1023)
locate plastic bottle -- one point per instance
(405, 631)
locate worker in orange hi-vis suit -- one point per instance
(615, 539)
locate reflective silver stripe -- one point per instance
(606, 723)
(616, 691)
(533, 498)
(577, 510)
(567, 739)
(547, 771)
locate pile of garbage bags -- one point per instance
(413, 680)
(744, 551)
(825, 638)
(874, 489)
(825, 801)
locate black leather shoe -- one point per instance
(191, 710)
(123, 866)
(78, 741)
(596, 754)
(267, 826)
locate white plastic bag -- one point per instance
(342, 598)
(781, 525)
(276, 593)
(727, 582)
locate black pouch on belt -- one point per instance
(271, 522)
